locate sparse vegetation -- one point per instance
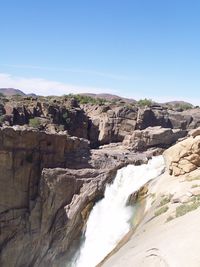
(165, 200)
(185, 208)
(161, 210)
(190, 179)
(184, 106)
(193, 204)
(84, 99)
(35, 122)
(145, 102)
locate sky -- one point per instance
(132, 48)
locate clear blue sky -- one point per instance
(143, 48)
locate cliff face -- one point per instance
(26, 222)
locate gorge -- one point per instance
(58, 157)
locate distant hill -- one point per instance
(109, 97)
(11, 91)
(179, 104)
(176, 102)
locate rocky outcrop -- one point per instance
(113, 123)
(195, 117)
(184, 157)
(157, 136)
(102, 123)
(159, 116)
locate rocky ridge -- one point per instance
(102, 123)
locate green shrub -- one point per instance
(184, 106)
(161, 210)
(145, 102)
(165, 200)
(185, 208)
(35, 122)
(84, 99)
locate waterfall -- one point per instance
(110, 218)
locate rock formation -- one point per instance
(50, 177)
(185, 156)
(99, 123)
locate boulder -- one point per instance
(183, 157)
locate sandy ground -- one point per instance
(156, 242)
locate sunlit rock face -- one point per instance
(184, 157)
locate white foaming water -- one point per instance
(109, 220)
